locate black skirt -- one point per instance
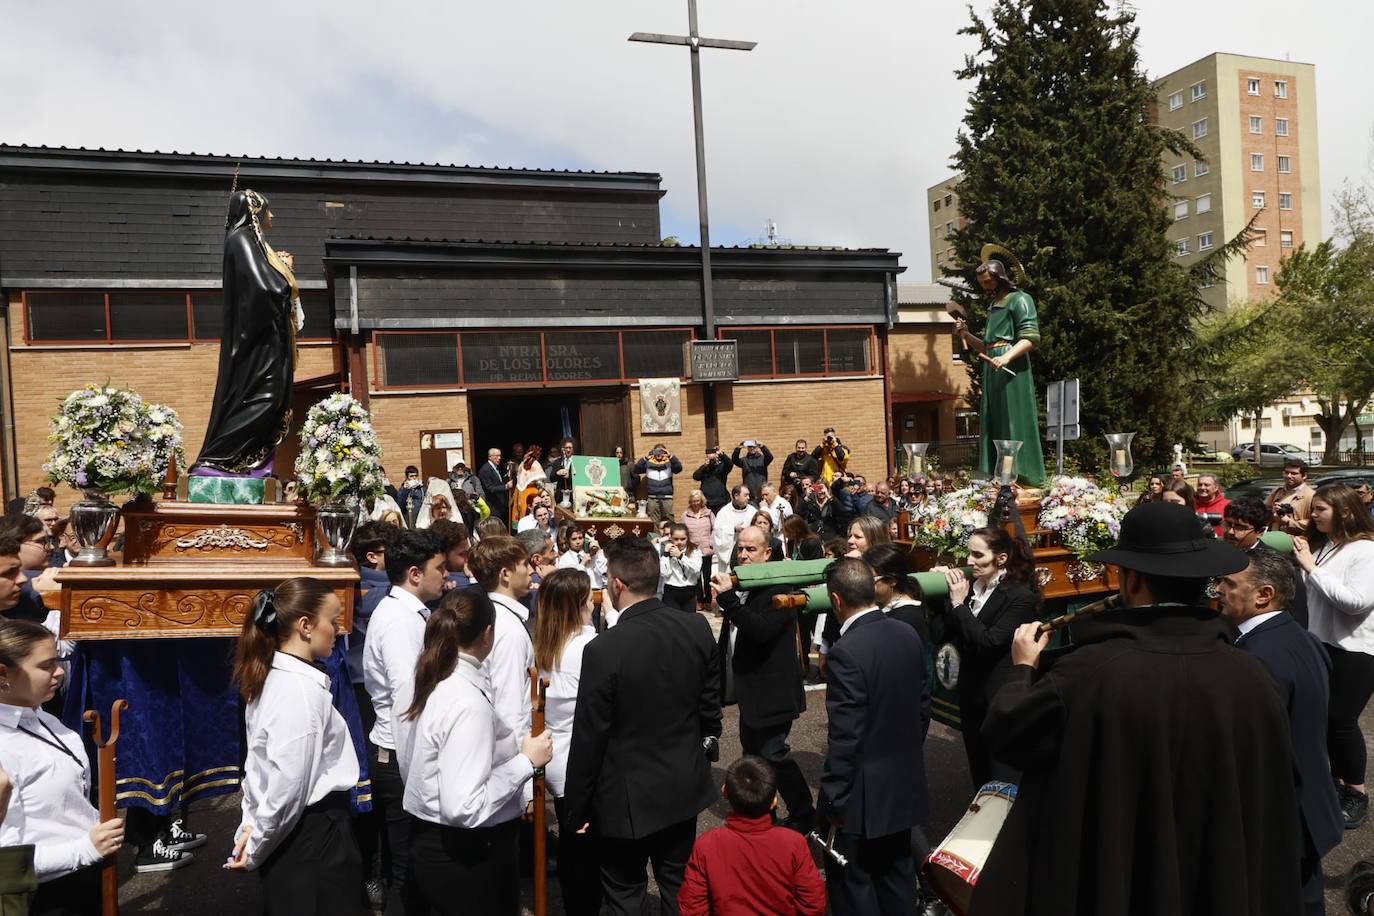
(317, 868)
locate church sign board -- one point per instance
(714, 360)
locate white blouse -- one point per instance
(594, 566)
(680, 572)
(299, 751)
(560, 705)
(466, 768)
(1340, 596)
(50, 807)
(507, 667)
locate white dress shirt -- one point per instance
(980, 593)
(395, 635)
(299, 751)
(560, 702)
(508, 666)
(594, 565)
(1245, 626)
(466, 769)
(680, 572)
(850, 622)
(525, 524)
(1340, 596)
(50, 806)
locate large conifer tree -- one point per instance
(1061, 162)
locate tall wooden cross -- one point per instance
(695, 43)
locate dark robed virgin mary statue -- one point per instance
(257, 359)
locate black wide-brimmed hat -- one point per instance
(1165, 539)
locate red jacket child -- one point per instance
(750, 865)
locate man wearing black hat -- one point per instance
(1158, 773)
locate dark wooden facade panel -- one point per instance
(89, 226)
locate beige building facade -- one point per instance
(1254, 122)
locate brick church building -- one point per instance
(467, 307)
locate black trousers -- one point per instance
(704, 586)
(467, 871)
(316, 869)
(402, 897)
(880, 876)
(770, 743)
(367, 828)
(77, 894)
(142, 827)
(624, 880)
(578, 876)
(982, 766)
(682, 597)
(1352, 684)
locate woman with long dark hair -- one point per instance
(982, 618)
(50, 807)
(467, 769)
(1337, 560)
(562, 632)
(300, 758)
(899, 597)
(799, 541)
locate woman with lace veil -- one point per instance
(437, 491)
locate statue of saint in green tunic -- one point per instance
(1008, 409)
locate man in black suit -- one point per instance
(559, 470)
(495, 484)
(1244, 521)
(873, 788)
(648, 714)
(1253, 600)
(761, 671)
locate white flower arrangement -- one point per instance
(1086, 517)
(340, 457)
(943, 526)
(108, 440)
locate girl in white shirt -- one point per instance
(1337, 559)
(300, 760)
(680, 569)
(467, 772)
(49, 806)
(563, 629)
(577, 551)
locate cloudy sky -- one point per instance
(833, 126)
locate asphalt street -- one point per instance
(205, 889)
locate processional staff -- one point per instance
(105, 775)
(538, 686)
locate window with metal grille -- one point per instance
(65, 315)
(412, 360)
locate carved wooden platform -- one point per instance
(609, 529)
(193, 570)
(158, 533)
(189, 600)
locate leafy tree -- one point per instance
(1325, 308)
(1062, 163)
(1241, 360)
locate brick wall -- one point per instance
(399, 418)
(180, 376)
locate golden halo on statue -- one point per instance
(992, 252)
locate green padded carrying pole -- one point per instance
(1279, 541)
(782, 572)
(933, 585)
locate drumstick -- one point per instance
(827, 845)
(1109, 603)
(541, 891)
(109, 875)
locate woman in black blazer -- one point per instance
(981, 621)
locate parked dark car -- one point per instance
(1260, 487)
(1352, 478)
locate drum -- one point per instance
(953, 867)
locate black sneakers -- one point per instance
(1354, 806)
(179, 839)
(161, 857)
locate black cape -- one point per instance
(1158, 777)
(251, 411)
